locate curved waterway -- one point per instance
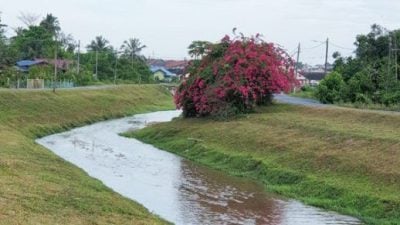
(174, 188)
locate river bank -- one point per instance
(178, 190)
(38, 187)
(340, 159)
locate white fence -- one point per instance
(41, 84)
(35, 84)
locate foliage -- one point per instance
(99, 44)
(51, 24)
(233, 77)
(307, 88)
(132, 48)
(5, 56)
(41, 72)
(305, 92)
(330, 89)
(391, 98)
(8, 75)
(369, 77)
(42, 40)
(199, 48)
(35, 42)
(134, 69)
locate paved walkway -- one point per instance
(283, 98)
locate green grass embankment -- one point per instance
(340, 159)
(36, 186)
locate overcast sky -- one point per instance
(167, 27)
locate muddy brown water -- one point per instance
(178, 190)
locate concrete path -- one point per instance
(283, 98)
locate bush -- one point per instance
(41, 72)
(8, 75)
(84, 78)
(391, 98)
(362, 98)
(233, 77)
(331, 88)
(360, 84)
(307, 88)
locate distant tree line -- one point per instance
(46, 40)
(371, 76)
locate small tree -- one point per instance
(330, 89)
(234, 76)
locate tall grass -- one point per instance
(340, 159)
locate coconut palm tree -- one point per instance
(132, 47)
(99, 44)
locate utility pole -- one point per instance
(395, 58)
(97, 62)
(326, 55)
(132, 61)
(133, 68)
(79, 57)
(55, 68)
(298, 58)
(297, 64)
(389, 61)
(115, 68)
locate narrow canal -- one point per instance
(176, 189)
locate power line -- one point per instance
(341, 47)
(314, 47)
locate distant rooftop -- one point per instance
(167, 73)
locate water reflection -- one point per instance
(211, 197)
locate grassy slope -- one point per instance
(341, 159)
(37, 187)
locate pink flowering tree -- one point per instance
(233, 77)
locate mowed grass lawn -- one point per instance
(36, 186)
(341, 159)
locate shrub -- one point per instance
(8, 75)
(362, 98)
(307, 88)
(391, 98)
(233, 77)
(41, 72)
(330, 89)
(360, 84)
(84, 77)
